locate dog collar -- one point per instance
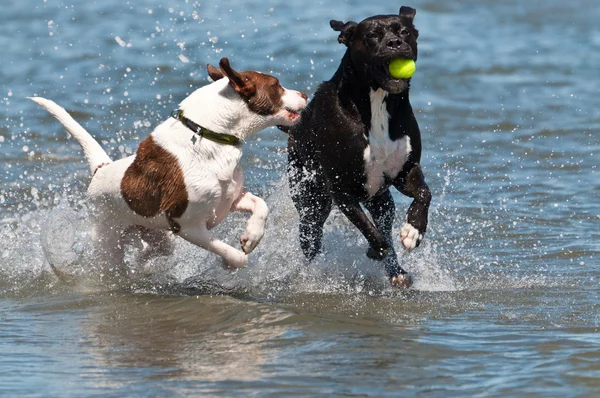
(219, 138)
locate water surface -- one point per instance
(506, 294)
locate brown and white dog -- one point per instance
(186, 175)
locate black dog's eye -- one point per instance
(404, 32)
(372, 35)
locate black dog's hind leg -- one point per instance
(313, 209)
(382, 210)
(354, 212)
(313, 204)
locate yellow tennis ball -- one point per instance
(402, 68)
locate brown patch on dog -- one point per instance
(214, 73)
(266, 98)
(154, 184)
(263, 93)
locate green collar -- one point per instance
(219, 138)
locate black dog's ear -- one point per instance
(347, 30)
(214, 73)
(408, 12)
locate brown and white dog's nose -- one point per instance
(300, 103)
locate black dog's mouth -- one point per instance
(381, 74)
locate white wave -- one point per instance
(61, 237)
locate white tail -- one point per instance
(92, 150)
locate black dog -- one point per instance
(357, 137)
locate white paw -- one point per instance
(251, 237)
(410, 237)
(236, 261)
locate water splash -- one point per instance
(60, 237)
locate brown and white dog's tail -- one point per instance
(95, 155)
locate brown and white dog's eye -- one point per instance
(277, 85)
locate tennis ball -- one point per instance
(402, 68)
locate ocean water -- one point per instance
(506, 296)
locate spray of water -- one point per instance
(47, 248)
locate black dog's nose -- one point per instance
(394, 43)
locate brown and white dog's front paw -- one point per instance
(235, 261)
(251, 237)
(410, 237)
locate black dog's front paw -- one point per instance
(401, 280)
(410, 237)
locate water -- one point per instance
(505, 301)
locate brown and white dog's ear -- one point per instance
(214, 73)
(347, 30)
(240, 84)
(408, 12)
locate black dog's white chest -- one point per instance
(383, 157)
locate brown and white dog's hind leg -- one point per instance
(255, 226)
(160, 243)
(202, 237)
(150, 243)
(108, 238)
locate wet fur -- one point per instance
(180, 183)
